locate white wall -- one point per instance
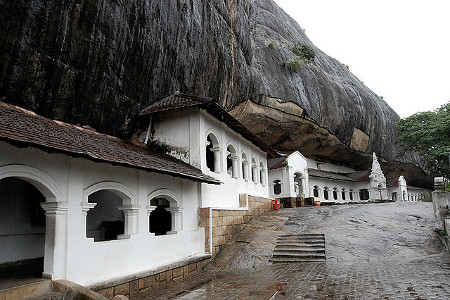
(84, 261)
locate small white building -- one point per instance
(399, 190)
(201, 133)
(288, 176)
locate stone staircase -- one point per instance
(299, 248)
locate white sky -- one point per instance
(399, 48)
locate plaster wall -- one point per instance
(84, 261)
(173, 129)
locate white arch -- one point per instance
(214, 137)
(43, 182)
(117, 188)
(167, 194)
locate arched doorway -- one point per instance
(22, 229)
(55, 207)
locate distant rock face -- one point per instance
(98, 62)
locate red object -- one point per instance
(276, 204)
(317, 202)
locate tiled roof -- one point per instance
(179, 100)
(21, 126)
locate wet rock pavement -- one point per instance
(374, 251)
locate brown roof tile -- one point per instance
(18, 125)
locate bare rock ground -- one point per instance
(374, 251)
(367, 232)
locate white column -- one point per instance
(150, 208)
(177, 221)
(131, 212)
(263, 177)
(255, 174)
(245, 170)
(55, 256)
(217, 156)
(234, 166)
(85, 207)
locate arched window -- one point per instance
(232, 162)
(325, 193)
(335, 194)
(350, 194)
(164, 212)
(277, 187)
(160, 218)
(316, 191)
(105, 221)
(364, 194)
(343, 194)
(213, 153)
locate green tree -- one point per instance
(428, 133)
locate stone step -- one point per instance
(296, 260)
(299, 255)
(295, 252)
(300, 247)
(301, 238)
(300, 244)
(306, 237)
(302, 235)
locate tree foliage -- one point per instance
(428, 133)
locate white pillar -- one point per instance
(263, 179)
(255, 174)
(177, 221)
(217, 156)
(131, 212)
(150, 208)
(234, 166)
(245, 170)
(55, 256)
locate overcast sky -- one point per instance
(399, 48)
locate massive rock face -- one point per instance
(98, 62)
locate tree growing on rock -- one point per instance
(428, 133)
